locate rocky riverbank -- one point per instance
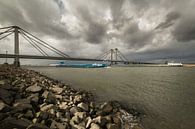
(29, 100)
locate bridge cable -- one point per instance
(35, 46)
(107, 56)
(6, 27)
(6, 35)
(8, 30)
(122, 55)
(43, 45)
(34, 43)
(102, 55)
(65, 55)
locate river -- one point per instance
(166, 95)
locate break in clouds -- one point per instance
(141, 29)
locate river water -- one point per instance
(166, 95)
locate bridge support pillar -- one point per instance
(16, 46)
(116, 54)
(111, 56)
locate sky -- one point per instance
(143, 30)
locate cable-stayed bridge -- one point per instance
(113, 56)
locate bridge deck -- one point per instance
(53, 58)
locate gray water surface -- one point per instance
(165, 94)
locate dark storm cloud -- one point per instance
(185, 30)
(82, 25)
(170, 19)
(31, 15)
(136, 38)
(93, 31)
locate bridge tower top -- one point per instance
(114, 56)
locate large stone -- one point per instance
(3, 106)
(13, 123)
(34, 88)
(57, 125)
(83, 106)
(51, 99)
(100, 120)
(45, 94)
(3, 116)
(46, 107)
(137, 127)
(28, 114)
(37, 126)
(22, 104)
(34, 97)
(78, 98)
(95, 126)
(106, 108)
(81, 115)
(117, 120)
(5, 85)
(73, 110)
(88, 122)
(63, 105)
(59, 97)
(112, 126)
(57, 90)
(2, 82)
(6, 96)
(74, 121)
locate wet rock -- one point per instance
(28, 114)
(37, 126)
(137, 127)
(46, 107)
(78, 98)
(44, 115)
(57, 125)
(117, 120)
(22, 104)
(95, 126)
(73, 110)
(45, 94)
(63, 105)
(34, 88)
(106, 108)
(34, 98)
(3, 107)
(57, 90)
(81, 115)
(74, 121)
(83, 106)
(2, 82)
(10, 123)
(112, 126)
(88, 122)
(51, 99)
(3, 116)
(100, 120)
(6, 96)
(58, 114)
(5, 86)
(59, 97)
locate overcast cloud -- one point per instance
(142, 29)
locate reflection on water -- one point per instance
(166, 95)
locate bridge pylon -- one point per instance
(114, 56)
(16, 46)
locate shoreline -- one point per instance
(30, 100)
